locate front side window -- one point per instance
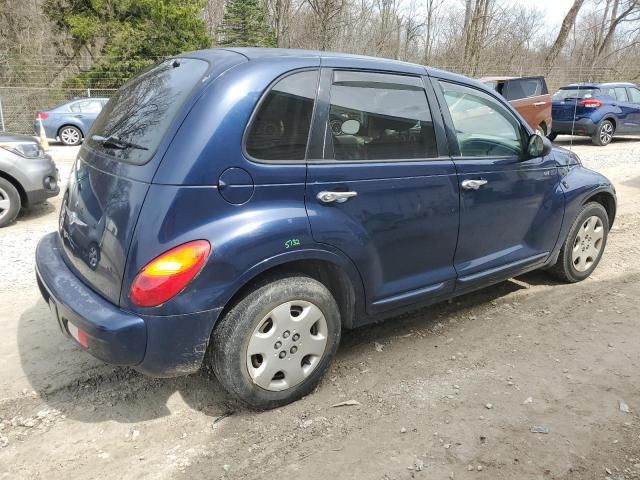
(375, 117)
(280, 128)
(484, 128)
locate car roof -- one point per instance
(253, 53)
(500, 78)
(598, 85)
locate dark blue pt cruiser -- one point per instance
(240, 207)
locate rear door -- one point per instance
(89, 110)
(380, 188)
(511, 208)
(634, 99)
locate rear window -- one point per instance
(576, 93)
(524, 88)
(138, 116)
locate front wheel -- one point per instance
(584, 245)
(9, 202)
(603, 134)
(273, 346)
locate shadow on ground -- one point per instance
(85, 389)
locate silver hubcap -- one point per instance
(588, 244)
(606, 132)
(70, 135)
(287, 345)
(5, 203)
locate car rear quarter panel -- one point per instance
(184, 201)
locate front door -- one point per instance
(634, 101)
(379, 190)
(511, 207)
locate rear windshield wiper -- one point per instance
(114, 142)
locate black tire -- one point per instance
(227, 354)
(8, 193)
(552, 136)
(564, 269)
(70, 135)
(603, 134)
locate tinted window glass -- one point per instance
(621, 94)
(635, 95)
(522, 88)
(380, 117)
(575, 93)
(484, 128)
(280, 129)
(142, 110)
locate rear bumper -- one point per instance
(157, 346)
(582, 126)
(114, 336)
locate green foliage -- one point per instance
(244, 25)
(125, 36)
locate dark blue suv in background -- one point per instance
(598, 110)
(240, 207)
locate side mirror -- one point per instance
(538, 146)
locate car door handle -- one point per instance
(338, 197)
(539, 104)
(473, 184)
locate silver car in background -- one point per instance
(27, 175)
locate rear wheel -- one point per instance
(70, 135)
(603, 134)
(584, 245)
(9, 202)
(274, 345)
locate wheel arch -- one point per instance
(607, 200)
(24, 200)
(70, 124)
(334, 272)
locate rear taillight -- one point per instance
(167, 275)
(42, 116)
(590, 103)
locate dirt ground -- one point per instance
(456, 391)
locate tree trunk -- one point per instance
(565, 28)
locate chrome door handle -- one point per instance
(539, 104)
(339, 197)
(473, 184)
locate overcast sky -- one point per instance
(555, 10)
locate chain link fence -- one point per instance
(21, 101)
(19, 105)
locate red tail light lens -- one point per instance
(167, 275)
(42, 115)
(590, 103)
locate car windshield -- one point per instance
(575, 93)
(137, 117)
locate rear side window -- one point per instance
(524, 88)
(280, 128)
(138, 116)
(621, 94)
(376, 116)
